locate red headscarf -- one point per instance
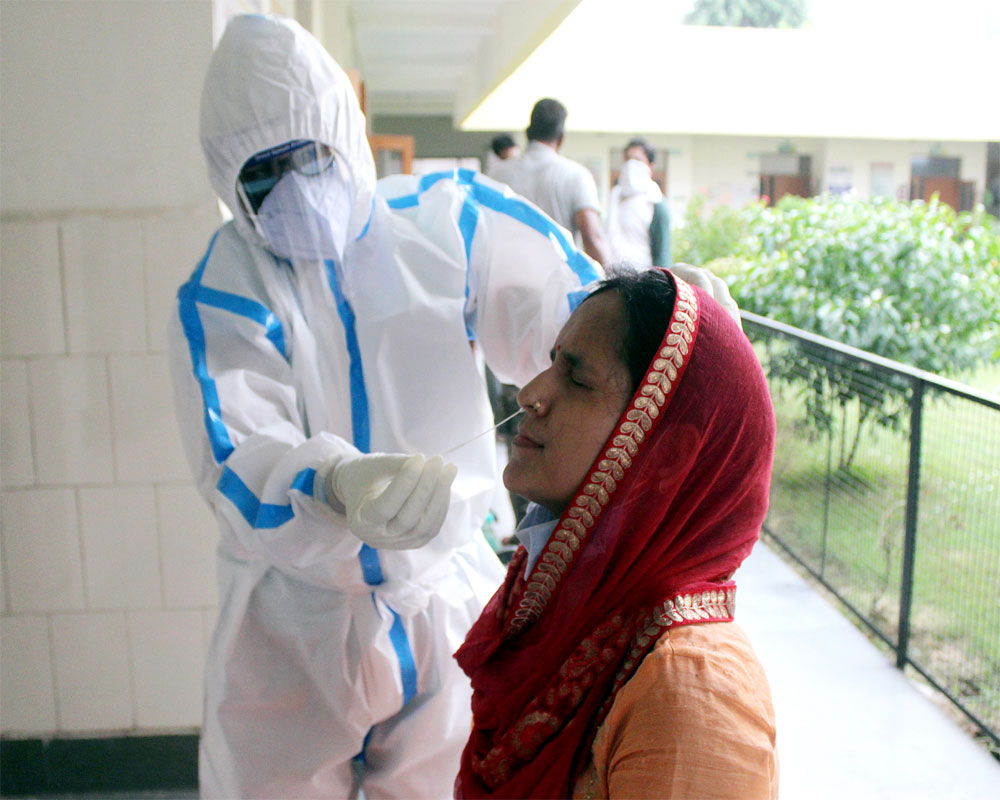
(669, 510)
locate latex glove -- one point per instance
(712, 284)
(392, 501)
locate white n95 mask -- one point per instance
(634, 177)
(306, 216)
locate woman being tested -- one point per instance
(608, 664)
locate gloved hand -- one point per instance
(712, 284)
(392, 501)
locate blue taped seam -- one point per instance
(401, 644)
(406, 201)
(360, 425)
(371, 568)
(368, 222)
(407, 666)
(192, 294)
(407, 671)
(245, 307)
(533, 218)
(262, 516)
(577, 297)
(513, 207)
(218, 436)
(467, 226)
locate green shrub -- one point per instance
(708, 233)
(913, 282)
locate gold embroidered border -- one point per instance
(577, 521)
(713, 605)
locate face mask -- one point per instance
(635, 176)
(306, 217)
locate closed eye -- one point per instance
(570, 364)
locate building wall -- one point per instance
(108, 590)
(725, 169)
(435, 136)
(859, 155)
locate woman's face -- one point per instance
(572, 406)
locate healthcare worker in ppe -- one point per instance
(321, 360)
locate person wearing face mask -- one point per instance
(638, 218)
(321, 361)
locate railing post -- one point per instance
(827, 487)
(910, 523)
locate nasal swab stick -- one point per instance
(488, 430)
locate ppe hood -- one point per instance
(269, 82)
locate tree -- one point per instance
(748, 13)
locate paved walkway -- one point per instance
(850, 725)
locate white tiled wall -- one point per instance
(27, 691)
(72, 420)
(93, 684)
(188, 535)
(32, 319)
(103, 278)
(42, 550)
(17, 463)
(146, 436)
(167, 651)
(3, 587)
(100, 106)
(121, 554)
(107, 581)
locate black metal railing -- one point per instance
(886, 488)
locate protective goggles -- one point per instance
(262, 171)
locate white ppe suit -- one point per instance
(326, 648)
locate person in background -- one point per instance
(505, 147)
(638, 218)
(563, 189)
(321, 357)
(608, 665)
(502, 147)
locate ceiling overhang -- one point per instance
(660, 76)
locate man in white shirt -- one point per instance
(563, 189)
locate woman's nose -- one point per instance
(530, 399)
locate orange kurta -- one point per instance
(695, 722)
